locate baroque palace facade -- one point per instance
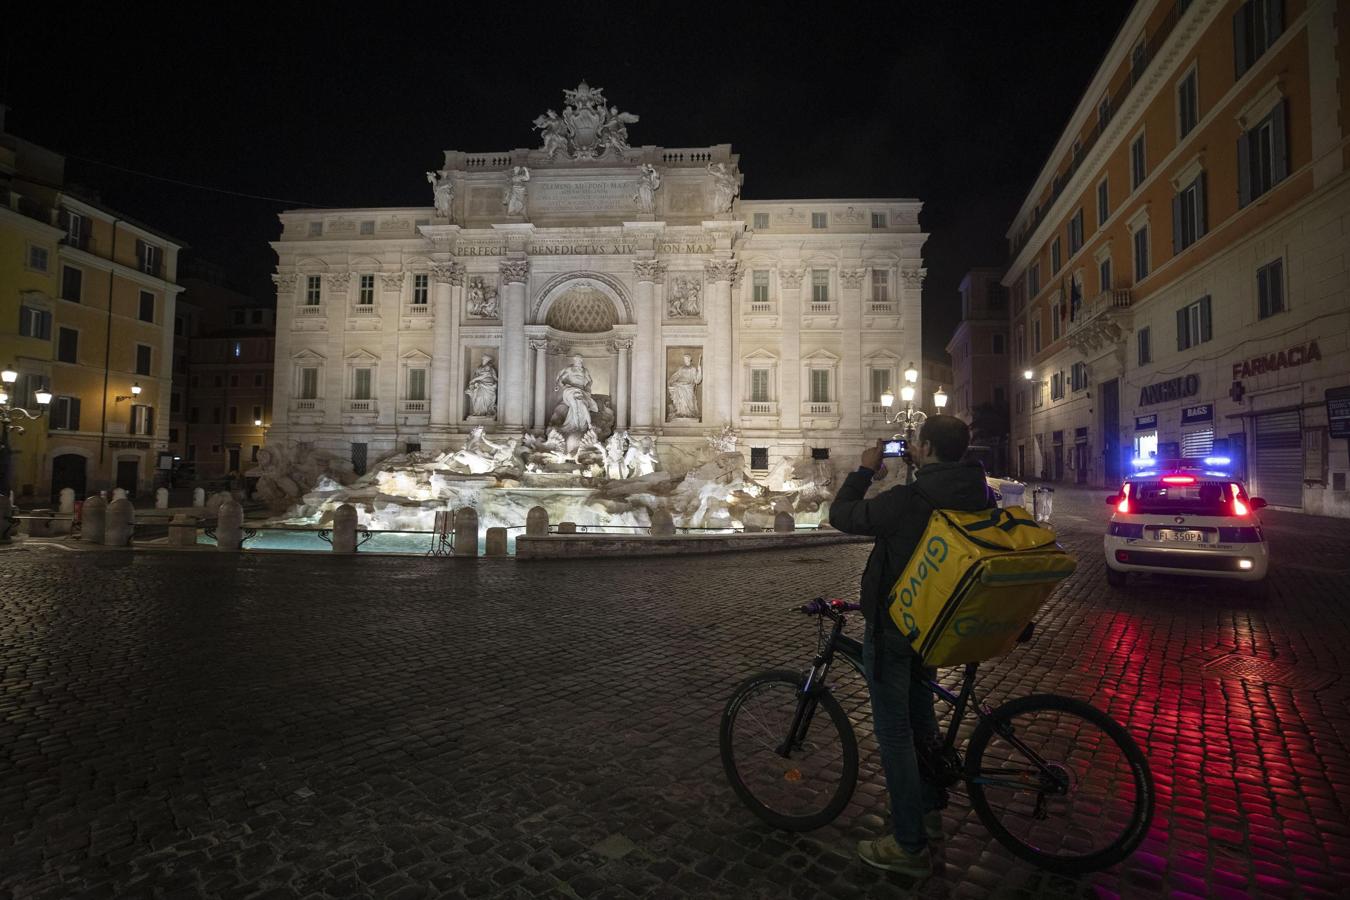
(404, 328)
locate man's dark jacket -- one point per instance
(898, 517)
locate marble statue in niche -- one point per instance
(683, 389)
(649, 182)
(685, 300)
(576, 405)
(442, 192)
(481, 302)
(513, 198)
(482, 389)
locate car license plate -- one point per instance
(1189, 537)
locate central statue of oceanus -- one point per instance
(587, 128)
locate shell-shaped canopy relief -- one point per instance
(582, 310)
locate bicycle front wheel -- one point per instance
(1060, 783)
(795, 784)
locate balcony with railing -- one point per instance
(759, 409)
(364, 407)
(417, 310)
(1100, 322)
(875, 411)
(820, 415)
(310, 312)
(414, 407)
(365, 310)
(308, 405)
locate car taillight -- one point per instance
(1124, 504)
(1178, 479)
(1239, 508)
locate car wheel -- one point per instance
(1114, 578)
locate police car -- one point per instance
(1186, 517)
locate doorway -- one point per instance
(1080, 462)
(232, 467)
(128, 471)
(1110, 399)
(68, 471)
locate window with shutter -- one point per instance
(361, 384)
(1145, 349)
(759, 385)
(1141, 254)
(1270, 289)
(417, 384)
(72, 284)
(142, 359)
(67, 345)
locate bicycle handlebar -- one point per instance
(822, 607)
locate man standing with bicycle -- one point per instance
(902, 708)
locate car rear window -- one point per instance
(1199, 498)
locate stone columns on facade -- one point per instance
(540, 348)
(282, 387)
(646, 358)
(339, 304)
(513, 374)
(443, 386)
(621, 382)
(850, 393)
(389, 391)
(790, 314)
(720, 373)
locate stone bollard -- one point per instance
(67, 501)
(344, 529)
(121, 520)
(161, 498)
(183, 531)
(466, 531)
(8, 525)
(199, 497)
(95, 519)
(496, 542)
(662, 523)
(230, 526)
(213, 505)
(783, 523)
(567, 528)
(119, 494)
(536, 522)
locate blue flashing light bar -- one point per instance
(1139, 462)
(1217, 461)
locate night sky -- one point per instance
(954, 103)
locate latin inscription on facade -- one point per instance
(608, 195)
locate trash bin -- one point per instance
(1042, 501)
(1013, 494)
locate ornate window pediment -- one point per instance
(416, 358)
(362, 356)
(309, 356)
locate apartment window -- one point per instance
(1076, 232)
(67, 345)
(72, 283)
(368, 227)
(1021, 346)
(194, 414)
(1103, 113)
(309, 383)
(142, 359)
(35, 323)
(1036, 335)
(881, 286)
(820, 286)
(1263, 155)
(38, 258)
(878, 220)
(142, 419)
(759, 287)
(315, 229)
(366, 297)
(1188, 214)
(1033, 281)
(1056, 255)
(879, 383)
(1038, 395)
(1055, 310)
(1057, 386)
(1188, 104)
(819, 220)
(420, 282)
(760, 221)
(820, 385)
(1256, 26)
(1141, 253)
(147, 312)
(759, 459)
(997, 342)
(759, 386)
(313, 287)
(361, 384)
(1104, 274)
(1138, 60)
(258, 380)
(1138, 164)
(1078, 377)
(149, 257)
(1103, 202)
(77, 226)
(1193, 324)
(1270, 289)
(1145, 342)
(417, 384)
(233, 415)
(65, 414)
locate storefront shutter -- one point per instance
(1197, 443)
(1277, 458)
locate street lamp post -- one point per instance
(7, 424)
(908, 417)
(1030, 377)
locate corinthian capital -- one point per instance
(392, 281)
(913, 278)
(339, 280)
(649, 270)
(623, 343)
(721, 270)
(791, 279)
(514, 271)
(852, 278)
(448, 273)
(285, 282)
(538, 344)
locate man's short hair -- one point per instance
(949, 436)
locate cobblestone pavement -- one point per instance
(193, 724)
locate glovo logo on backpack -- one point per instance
(979, 579)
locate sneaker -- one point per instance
(885, 853)
(932, 825)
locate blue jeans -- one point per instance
(902, 709)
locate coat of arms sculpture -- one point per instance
(587, 128)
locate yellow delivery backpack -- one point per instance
(974, 583)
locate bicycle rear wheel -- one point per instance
(810, 786)
(1086, 808)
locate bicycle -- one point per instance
(1027, 760)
